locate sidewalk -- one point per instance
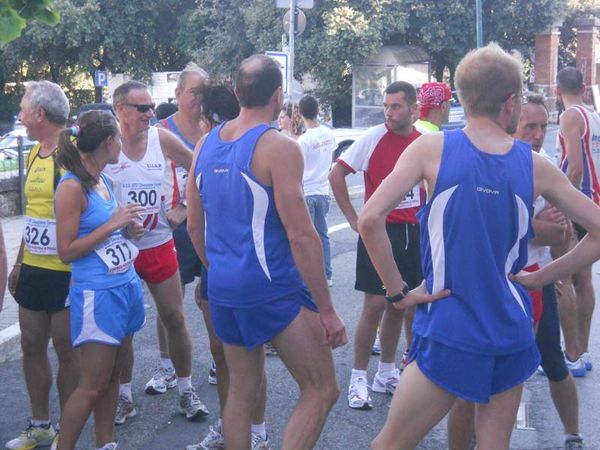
(9, 320)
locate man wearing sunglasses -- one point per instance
(139, 177)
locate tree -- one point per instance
(568, 35)
(15, 13)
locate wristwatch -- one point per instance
(399, 296)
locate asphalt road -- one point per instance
(159, 427)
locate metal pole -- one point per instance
(479, 24)
(290, 74)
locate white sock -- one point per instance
(220, 425)
(105, 446)
(358, 374)
(40, 423)
(184, 384)
(386, 369)
(167, 363)
(125, 389)
(259, 428)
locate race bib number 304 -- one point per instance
(146, 195)
(117, 253)
(40, 236)
(411, 200)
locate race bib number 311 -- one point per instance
(117, 253)
(40, 236)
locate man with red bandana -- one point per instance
(434, 107)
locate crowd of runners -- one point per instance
(472, 239)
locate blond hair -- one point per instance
(487, 77)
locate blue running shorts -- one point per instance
(253, 326)
(106, 316)
(472, 376)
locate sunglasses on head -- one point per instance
(142, 108)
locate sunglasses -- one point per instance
(142, 108)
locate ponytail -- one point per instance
(85, 137)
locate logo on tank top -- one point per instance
(221, 171)
(487, 191)
(154, 166)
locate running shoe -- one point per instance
(162, 380)
(358, 394)
(587, 360)
(386, 385)
(214, 440)
(125, 410)
(259, 443)
(191, 406)
(329, 282)
(376, 349)
(270, 350)
(54, 445)
(574, 443)
(32, 437)
(212, 373)
(109, 446)
(577, 368)
(404, 360)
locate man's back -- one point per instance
(317, 146)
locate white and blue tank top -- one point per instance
(474, 233)
(250, 259)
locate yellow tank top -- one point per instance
(39, 199)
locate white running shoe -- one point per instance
(587, 360)
(214, 440)
(191, 406)
(259, 443)
(162, 380)
(212, 373)
(125, 410)
(109, 446)
(358, 394)
(577, 368)
(376, 349)
(32, 437)
(386, 385)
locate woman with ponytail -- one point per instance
(106, 295)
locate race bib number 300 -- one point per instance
(411, 200)
(40, 236)
(117, 253)
(146, 195)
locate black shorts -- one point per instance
(407, 254)
(579, 231)
(189, 263)
(42, 289)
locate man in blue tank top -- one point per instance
(477, 341)
(260, 248)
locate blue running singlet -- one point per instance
(474, 232)
(250, 258)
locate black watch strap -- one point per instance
(399, 296)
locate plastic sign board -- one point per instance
(282, 59)
(101, 78)
(306, 4)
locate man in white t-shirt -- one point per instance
(317, 144)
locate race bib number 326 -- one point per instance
(40, 236)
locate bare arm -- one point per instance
(13, 277)
(571, 128)
(69, 202)
(408, 172)
(195, 211)
(174, 149)
(550, 226)
(337, 180)
(285, 166)
(556, 188)
(3, 268)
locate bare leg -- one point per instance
(494, 421)
(68, 357)
(127, 369)
(586, 300)
(389, 333)
(161, 332)
(566, 401)
(300, 347)
(106, 406)
(373, 308)
(169, 303)
(461, 425)
(97, 367)
(35, 335)
(417, 406)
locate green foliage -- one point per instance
(568, 36)
(15, 13)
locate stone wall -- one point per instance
(9, 197)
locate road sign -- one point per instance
(306, 4)
(282, 59)
(300, 24)
(101, 78)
